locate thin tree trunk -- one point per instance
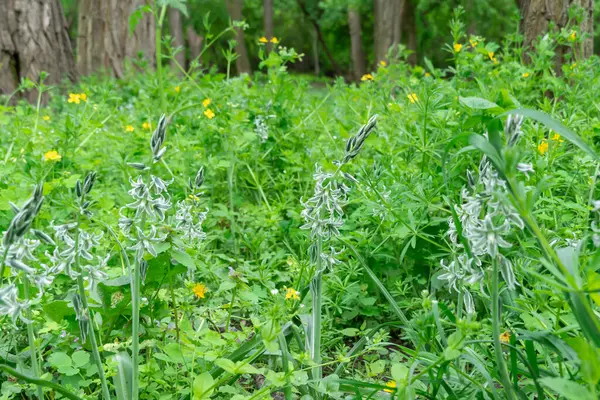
(536, 16)
(319, 34)
(194, 44)
(358, 55)
(33, 39)
(268, 6)
(242, 63)
(410, 28)
(104, 40)
(388, 26)
(178, 41)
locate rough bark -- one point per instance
(103, 38)
(268, 6)
(33, 39)
(409, 27)
(242, 63)
(177, 38)
(388, 26)
(358, 54)
(536, 16)
(194, 44)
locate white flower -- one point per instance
(274, 292)
(525, 168)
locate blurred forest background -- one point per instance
(337, 37)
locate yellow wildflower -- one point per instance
(292, 293)
(209, 113)
(383, 63)
(543, 147)
(52, 155)
(74, 98)
(206, 102)
(573, 65)
(413, 98)
(199, 290)
(263, 40)
(194, 197)
(177, 89)
(473, 43)
(457, 47)
(129, 128)
(526, 75)
(146, 126)
(83, 97)
(427, 74)
(572, 36)
(392, 387)
(556, 137)
(505, 337)
(46, 118)
(274, 40)
(366, 77)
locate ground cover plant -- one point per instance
(427, 233)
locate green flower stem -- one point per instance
(35, 366)
(496, 322)
(174, 301)
(230, 310)
(158, 44)
(135, 327)
(84, 302)
(316, 288)
(3, 265)
(231, 205)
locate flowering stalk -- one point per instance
(84, 314)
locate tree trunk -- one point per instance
(388, 26)
(33, 39)
(104, 41)
(358, 55)
(242, 63)
(268, 5)
(537, 14)
(409, 23)
(178, 41)
(194, 44)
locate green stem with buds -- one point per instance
(316, 288)
(158, 44)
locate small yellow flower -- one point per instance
(52, 155)
(366, 77)
(383, 63)
(74, 98)
(505, 337)
(206, 102)
(146, 126)
(177, 89)
(457, 47)
(274, 40)
(491, 55)
(573, 36)
(556, 137)
(525, 75)
(473, 43)
(129, 128)
(292, 293)
(199, 290)
(263, 40)
(543, 147)
(83, 97)
(46, 118)
(413, 98)
(573, 65)
(209, 113)
(392, 387)
(427, 74)
(194, 197)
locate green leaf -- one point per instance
(399, 372)
(244, 368)
(80, 358)
(226, 364)
(58, 310)
(556, 127)
(589, 357)
(203, 386)
(60, 359)
(122, 379)
(477, 103)
(137, 16)
(566, 388)
(183, 258)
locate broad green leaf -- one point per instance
(568, 389)
(589, 357)
(202, 387)
(245, 368)
(80, 358)
(122, 379)
(183, 258)
(477, 103)
(226, 364)
(60, 359)
(399, 372)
